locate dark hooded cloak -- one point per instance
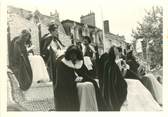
(19, 63)
(113, 85)
(132, 73)
(65, 89)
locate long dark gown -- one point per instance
(65, 89)
(113, 85)
(19, 63)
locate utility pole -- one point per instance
(9, 42)
(39, 34)
(147, 55)
(104, 46)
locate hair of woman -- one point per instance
(73, 49)
(52, 27)
(119, 49)
(29, 42)
(112, 55)
(87, 38)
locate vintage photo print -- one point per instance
(84, 56)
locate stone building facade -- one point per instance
(78, 30)
(116, 40)
(19, 19)
(88, 19)
(112, 39)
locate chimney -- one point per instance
(106, 26)
(51, 14)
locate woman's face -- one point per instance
(85, 42)
(26, 37)
(116, 51)
(73, 57)
(54, 32)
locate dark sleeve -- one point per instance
(43, 48)
(83, 71)
(42, 41)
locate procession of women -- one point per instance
(81, 78)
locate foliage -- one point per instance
(151, 31)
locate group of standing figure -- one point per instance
(78, 65)
(73, 66)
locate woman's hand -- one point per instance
(79, 79)
(30, 48)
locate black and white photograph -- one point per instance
(84, 56)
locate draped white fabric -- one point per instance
(87, 96)
(139, 98)
(155, 87)
(38, 68)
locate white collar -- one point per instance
(69, 63)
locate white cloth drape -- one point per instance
(139, 98)
(38, 68)
(87, 96)
(154, 87)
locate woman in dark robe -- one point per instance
(19, 62)
(114, 87)
(71, 70)
(49, 46)
(132, 73)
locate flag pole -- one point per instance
(102, 29)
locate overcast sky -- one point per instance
(122, 14)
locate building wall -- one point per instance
(104, 45)
(21, 12)
(95, 40)
(88, 19)
(111, 39)
(18, 22)
(106, 26)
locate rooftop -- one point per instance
(81, 24)
(91, 13)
